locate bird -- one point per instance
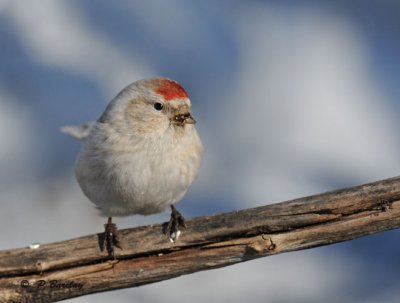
(140, 156)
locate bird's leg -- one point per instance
(174, 223)
(111, 236)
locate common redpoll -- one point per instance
(141, 155)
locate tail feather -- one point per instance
(80, 132)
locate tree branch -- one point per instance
(77, 267)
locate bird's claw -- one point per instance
(111, 237)
(175, 221)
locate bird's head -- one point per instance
(148, 106)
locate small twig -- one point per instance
(76, 267)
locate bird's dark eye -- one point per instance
(158, 106)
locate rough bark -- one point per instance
(77, 267)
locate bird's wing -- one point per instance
(80, 132)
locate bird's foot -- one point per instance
(111, 237)
(174, 223)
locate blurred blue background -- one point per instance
(293, 98)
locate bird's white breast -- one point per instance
(125, 176)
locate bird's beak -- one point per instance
(182, 119)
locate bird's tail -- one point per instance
(80, 132)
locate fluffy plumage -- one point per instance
(143, 153)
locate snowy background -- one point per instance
(292, 98)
